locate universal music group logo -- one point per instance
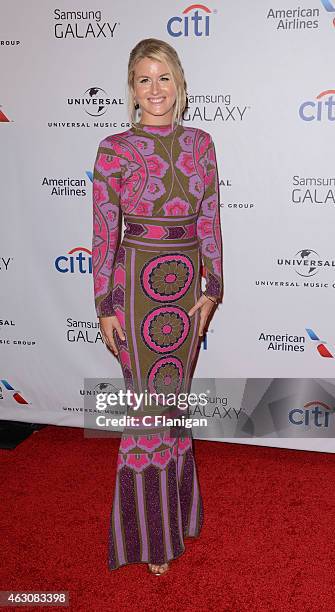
(306, 263)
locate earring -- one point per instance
(136, 105)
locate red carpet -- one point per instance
(267, 542)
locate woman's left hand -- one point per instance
(206, 306)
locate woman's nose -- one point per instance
(154, 87)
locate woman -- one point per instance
(162, 177)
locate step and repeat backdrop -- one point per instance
(260, 79)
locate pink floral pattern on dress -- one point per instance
(137, 461)
(185, 163)
(130, 187)
(127, 443)
(105, 225)
(112, 215)
(204, 227)
(149, 442)
(195, 186)
(114, 183)
(168, 440)
(133, 174)
(184, 444)
(107, 164)
(146, 146)
(160, 130)
(176, 207)
(186, 141)
(162, 458)
(209, 247)
(101, 284)
(157, 166)
(154, 189)
(209, 231)
(100, 192)
(208, 207)
(144, 209)
(129, 169)
(217, 266)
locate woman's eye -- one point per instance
(144, 80)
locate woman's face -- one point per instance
(154, 91)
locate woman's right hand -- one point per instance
(107, 327)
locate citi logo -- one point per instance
(195, 21)
(77, 260)
(315, 414)
(320, 109)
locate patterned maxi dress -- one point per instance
(163, 181)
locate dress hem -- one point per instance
(152, 562)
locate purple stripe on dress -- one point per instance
(154, 515)
(117, 524)
(133, 280)
(195, 501)
(185, 490)
(160, 244)
(200, 519)
(181, 459)
(118, 297)
(174, 508)
(180, 521)
(106, 305)
(120, 256)
(129, 515)
(112, 561)
(166, 514)
(166, 219)
(141, 515)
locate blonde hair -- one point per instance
(159, 50)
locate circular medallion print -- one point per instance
(164, 329)
(167, 277)
(165, 376)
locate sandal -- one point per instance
(164, 567)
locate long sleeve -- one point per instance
(208, 221)
(107, 216)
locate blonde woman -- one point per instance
(162, 178)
